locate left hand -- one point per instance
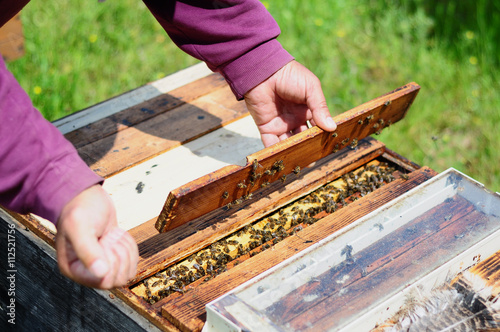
(281, 105)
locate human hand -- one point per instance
(281, 105)
(91, 249)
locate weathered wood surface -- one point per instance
(161, 133)
(144, 110)
(429, 241)
(131, 98)
(188, 312)
(145, 184)
(489, 271)
(230, 183)
(158, 250)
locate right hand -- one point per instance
(91, 249)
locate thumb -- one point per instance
(320, 114)
(316, 102)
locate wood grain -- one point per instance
(188, 312)
(161, 133)
(157, 251)
(203, 195)
(144, 111)
(429, 241)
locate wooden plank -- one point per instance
(188, 312)
(294, 153)
(424, 251)
(12, 39)
(145, 184)
(128, 99)
(145, 110)
(156, 251)
(165, 131)
(429, 241)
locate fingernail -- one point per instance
(331, 123)
(99, 268)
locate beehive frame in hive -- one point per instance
(114, 146)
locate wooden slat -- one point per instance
(156, 251)
(188, 312)
(131, 98)
(145, 110)
(165, 131)
(225, 146)
(203, 195)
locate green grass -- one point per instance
(359, 49)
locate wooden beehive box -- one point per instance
(160, 137)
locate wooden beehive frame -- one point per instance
(117, 142)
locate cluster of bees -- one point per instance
(265, 232)
(254, 177)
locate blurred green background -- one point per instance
(79, 53)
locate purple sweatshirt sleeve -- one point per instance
(236, 38)
(40, 171)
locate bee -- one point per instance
(267, 172)
(265, 184)
(387, 103)
(378, 132)
(354, 143)
(228, 206)
(336, 148)
(381, 121)
(404, 176)
(238, 201)
(225, 195)
(278, 165)
(369, 118)
(255, 165)
(241, 184)
(283, 178)
(345, 141)
(296, 170)
(335, 135)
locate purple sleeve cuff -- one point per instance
(40, 171)
(254, 67)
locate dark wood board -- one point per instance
(230, 183)
(188, 311)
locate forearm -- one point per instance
(236, 38)
(40, 171)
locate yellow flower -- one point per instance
(341, 33)
(473, 60)
(318, 22)
(469, 34)
(37, 90)
(160, 75)
(160, 38)
(93, 38)
(266, 4)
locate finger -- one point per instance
(269, 139)
(299, 129)
(316, 102)
(115, 245)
